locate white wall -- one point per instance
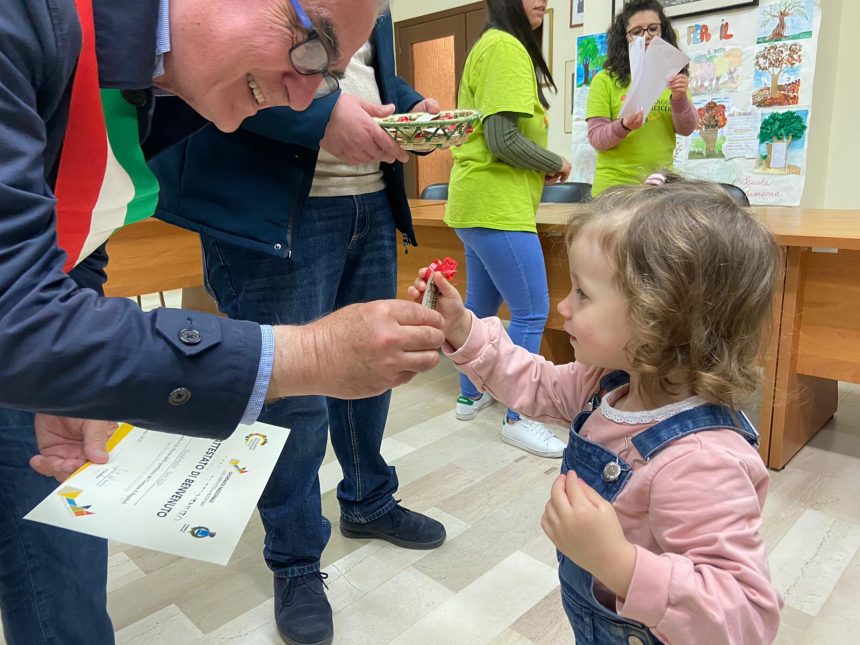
(406, 9)
(833, 171)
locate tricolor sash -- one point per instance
(103, 181)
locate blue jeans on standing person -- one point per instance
(53, 582)
(509, 266)
(343, 252)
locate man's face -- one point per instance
(231, 58)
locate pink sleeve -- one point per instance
(523, 381)
(685, 117)
(604, 134)
(711, 585)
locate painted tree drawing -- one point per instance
(712, 118)
(779, 15)
(774, 60)
(781, 127)
(590, 59)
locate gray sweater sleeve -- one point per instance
(505, 140)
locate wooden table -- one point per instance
(152, 256)
(816, 337)
(815, 340)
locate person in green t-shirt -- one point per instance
(495, 189)
(629, 149)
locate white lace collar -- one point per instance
(645, 416)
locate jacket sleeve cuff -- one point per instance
(264, 375)
(648, 596)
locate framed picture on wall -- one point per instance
(678, 8)
(577, 13)
(546, 45)
(569, 89)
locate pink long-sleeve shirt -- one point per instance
(693, 510)
(604, 134)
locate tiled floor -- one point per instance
(494, 580)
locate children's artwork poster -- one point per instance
(751, 81)
(583, 156)
(590, 56)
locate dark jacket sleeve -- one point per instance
(65, 350)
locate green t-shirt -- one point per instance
(642, 151)
(485, 192)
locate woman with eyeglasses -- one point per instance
(629, 149)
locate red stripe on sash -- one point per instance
(84, 156)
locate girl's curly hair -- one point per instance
(699, 272)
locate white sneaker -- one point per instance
(467, 409)
(532, 436)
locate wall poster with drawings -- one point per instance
(751, 78)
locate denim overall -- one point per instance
(607, 473)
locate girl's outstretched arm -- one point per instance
(484, 352)
(525, 382)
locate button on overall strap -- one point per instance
(103, 182)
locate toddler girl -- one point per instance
(656, 514)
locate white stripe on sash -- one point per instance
(111, 207)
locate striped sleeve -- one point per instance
(505, 140)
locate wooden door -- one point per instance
(431, 53)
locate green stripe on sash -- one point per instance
(123, 134)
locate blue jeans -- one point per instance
(52, 581)
(344, 252)
(509, 266)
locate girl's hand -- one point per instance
(457, 321)
(634, 122)
(679, 85)
(585, 528)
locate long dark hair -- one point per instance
(617, 56)
(509, 16)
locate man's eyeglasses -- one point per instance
(310, 55)
(653, 29)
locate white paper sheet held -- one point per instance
(660, 63)
(181, 495)
(636, 53)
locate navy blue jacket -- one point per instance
(249, 187)
(64, 349)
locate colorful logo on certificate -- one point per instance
(256, 439)
(239, 467)
(201, 532)
(70, 495)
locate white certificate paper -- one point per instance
(186, 496)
